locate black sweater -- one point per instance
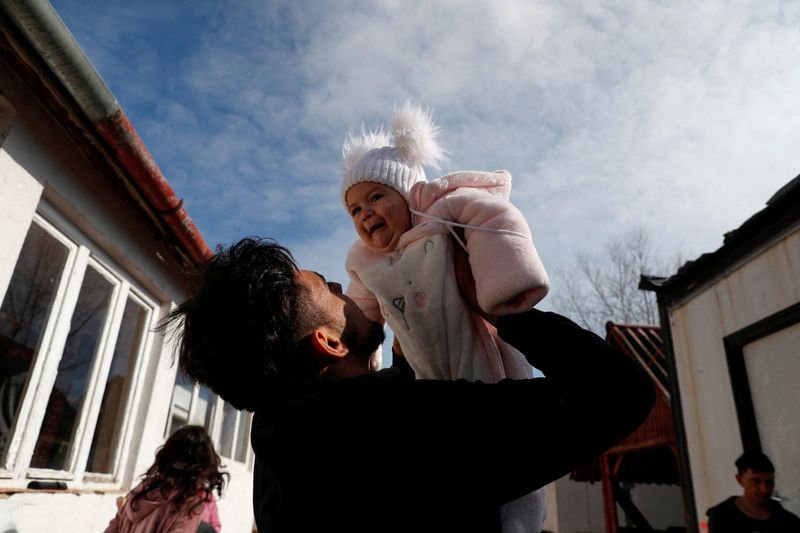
(383, 452)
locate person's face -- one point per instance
(361, 335)
(758, 486)
(326, 296)
(380, 215)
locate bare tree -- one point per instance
(600, 287)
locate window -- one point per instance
(203, 412)
(117, 387)
(181, 404)
(763, 364)
(243, 435)
(72, 337)
(234, 438)
(229, 428)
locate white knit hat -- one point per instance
(373, 157)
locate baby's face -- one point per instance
(380, 215)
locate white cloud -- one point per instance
(681, 116)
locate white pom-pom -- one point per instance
(355, 147)
(415, 136)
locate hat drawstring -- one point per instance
(450, 224)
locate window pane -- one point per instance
(243, 437)
(66, 398)
(204, 410)
(181, 401)
(112, 409)
(773, 365)
(228, 427)
(23, 316)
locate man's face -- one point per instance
(360, 334)
(758, 486)
(380, 215)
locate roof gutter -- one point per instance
(47, 34)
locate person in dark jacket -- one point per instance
(755, 510)
(341, 447)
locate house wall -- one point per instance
(42, 169)
(19, 195)
(574, 507)
(765, 283)
(577, 507)
(661, 505)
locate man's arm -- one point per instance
(598, 395)
(494, 442)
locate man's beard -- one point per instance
(363, 343)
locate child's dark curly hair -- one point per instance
(188, 465)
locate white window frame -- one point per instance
(241, 415)
(124, 444)
(215, 432)
(81, 254)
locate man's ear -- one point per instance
(327, 345)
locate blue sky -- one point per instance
(679, 116)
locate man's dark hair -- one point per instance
(755, 461)
(244, 326)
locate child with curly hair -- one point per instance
(176, 493)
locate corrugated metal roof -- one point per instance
(644, 343)
(647, 454)
(782, 212)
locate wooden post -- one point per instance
(609, 503)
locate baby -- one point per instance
(402, 267)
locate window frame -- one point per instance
(18, 445)
(82, 254)
(734, 344)
(215, 431)
(216, 435)
(133, 396)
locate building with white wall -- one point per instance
(734, 351)
(95, 248)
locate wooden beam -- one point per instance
(609, 503)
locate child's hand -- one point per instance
(466, 282)
(518, 301)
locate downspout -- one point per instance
(648, 283)
(46, 32)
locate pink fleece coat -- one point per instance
(414, 288)
(155, 514)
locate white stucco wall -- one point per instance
(42, 168)
(661, 505)
(236, 505)
(19, 195)
(763, 284)
(32, 513)
(574, 507)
